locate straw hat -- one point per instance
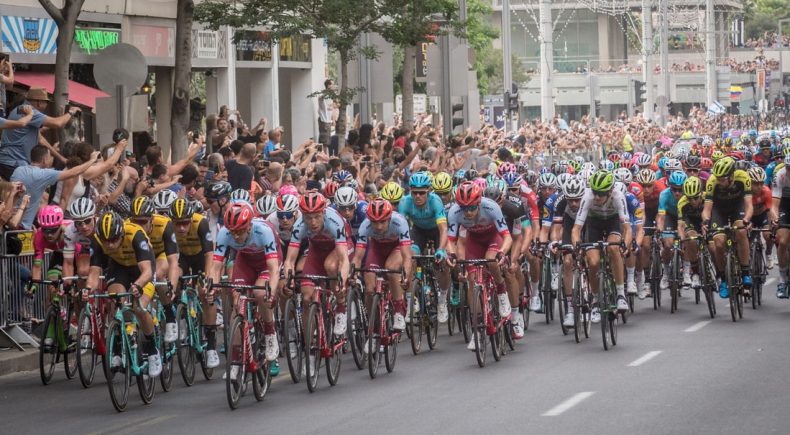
(37, 94)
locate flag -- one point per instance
(716, 109)
(735, 92)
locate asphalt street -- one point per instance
(669, 373)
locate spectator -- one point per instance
(325, 108)
(240, 171)
(6, 79)
(273, 147)
(11, 194)
(221, 134)
(38, 176)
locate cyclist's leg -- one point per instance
(743, 245)
(165, 297)
(394, 261)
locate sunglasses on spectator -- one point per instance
(469, 208)
(83, 223)
(288, 215)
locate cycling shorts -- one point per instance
(126, 276)
(420, 238)
(248, 268)
(721, 216)
(478, 244)
(596, 229)
(670, 224)
(378, 253)
(192, 264)
(316, 254)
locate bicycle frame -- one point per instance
(383, 290)
(122, 308)
(190, 299)
(326, 303)
(482, 276)
(55, 306)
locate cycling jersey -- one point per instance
(769, 172)
(762, 201)
(427, 217)
(687, 212)
(488, 218)
(134, 248)
(198, 239)
(614, 207)
(285, 235)
(360, 214)
(781, 184)
(651, 200)
(516, 214)
(667, 204)
(635, 210)
(261, 240)
(547, 212)
(396, 232)
(332, 232)
(531, 199)
(562, 210)
(75, 242)
(740, 187)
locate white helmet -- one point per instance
(589, 166)
(164, 199)
(620, 187)
(644, 160)
(240, 195)
(266, 205)
(346, 196)
(672, 165)
(82, 208)
(573, 188)
(562, 179)
(287, 203)
(623, 175)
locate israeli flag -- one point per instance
(716, 109)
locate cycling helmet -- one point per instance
(672, 165)
(50, 216)
(693, 162)
(82, 208)
(627, 156)
(238, 217)
(442, 182)
(312, 202)
(110, 226)
(500, 185)
(346, 196)
(181, 209)
(646, 176)
(575, 166)
(266, 205)
(504, 168)
(481, 183)
(492, 193)
(606, 165)
(692, 187)
(560, 168)
(677, 178)
(164, 199)
(330, 189)
(459, 176)
(724, 167)
(142, 207)
(623, 175)
(588, 166)
(471, 174)
(218, 189)
(420, 180)
(757, 174)
(705, 164)
(198, 206)
(585, 175)
(288, 189)
(661, 162)
(547, 180)
(626, 164)
(620, 187)
(602, 181)
(240, 195)
(288, 203)
(392, 192)
(512, 179)
(716, 156)
(353, 184)
(342, 176)
(544, 170)
(379, 210)
(742, 165)
(467, 194)
(574, 188)
(562, 179)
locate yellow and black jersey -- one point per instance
(134, 248)
(198, 240)
(687, 211)
(740, 187)
(162, 236)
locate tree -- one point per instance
(339, 22)
(66, 20)
(179, 110)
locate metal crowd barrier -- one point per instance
(16, 309)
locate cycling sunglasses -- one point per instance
(470, 208)
(50, 231)
(83, 223)
(419, 192)
(285, 215)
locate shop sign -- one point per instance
(253, 45)
(154, 41)
(91, 41)
(29, 35)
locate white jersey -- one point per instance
(72, 238)
(781, 186)
(615, 206)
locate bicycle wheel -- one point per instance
(655, 276)
(562, 308)
(145, 383)
(604, 307)
(70, 352)
(292, 337)
(235, 370)
(166, 352)
(674, 282)
(357, 326)
(375, 326)
(312, 347)
(463, 311)
(48, 353)
(261, 377)
(432, 323)
(86, 354)
(731, 285)
(757, 272)
(709, 282)
(496, 338)
(333, 361)
(545, 286)
(577, 307)
(414, 326)
(118, 377)
(478, 323)
(184, 347)
(391, 349)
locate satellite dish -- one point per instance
(120, 65)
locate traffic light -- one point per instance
(458, 121)
(597, 107)
(640, 93)
(511, 102)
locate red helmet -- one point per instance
(379, 210)
(330, 189)
(313, 202)
(467, 194)
(737, 155)
(705, 164)
(238, 217)
(628, 164)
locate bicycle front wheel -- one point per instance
(118, 373)
(357, 326)
(235, 370)
(261, 377)
(312, 347)
(478, 322)
(86, 354)
(184, 346)
(294, 349)
(48, 349)
(71, 340)
(166, 352)
(414, 326)
(391, 349)
(145, 383)
(333, 342)
(375, 327)
(732, 286)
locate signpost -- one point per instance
(120, 70)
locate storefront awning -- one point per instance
(78, 93)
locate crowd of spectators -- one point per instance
(767, 40)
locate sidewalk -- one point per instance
(12, 360)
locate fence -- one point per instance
(16, 309)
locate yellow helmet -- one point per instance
(392, 192)
(724, 167)
(692, 187)
(442, 182)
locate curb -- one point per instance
(21, 362)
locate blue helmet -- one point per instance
(677, 178)
(419, 180)
(512, 179)
(342, 176)
(753, 133)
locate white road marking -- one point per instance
(644, 358)
(697, 326)
(568, 404)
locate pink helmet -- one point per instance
(504, 168)
(481, 183)
(289, 189)
(50, 216)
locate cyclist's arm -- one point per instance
(576, 234)
(68, 269)
(341, 249)
(748, 208)
(362, 243)
(93, 277)
(38, 258)
(707, 210)
(681, 229)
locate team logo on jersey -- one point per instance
(639, 213)
(270, 247)
(209, 237)
(545, 213)
(405, 235)
(173, 238)
(144, 246)
(501, 222)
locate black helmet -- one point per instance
(182, 209)
(109, 226)
(142, 206)
(218, 189)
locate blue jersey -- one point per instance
(360, 214)
(667, 204)
(261, 241)
(769, 173)
(635, 211)
(547, 212)
(426, 217)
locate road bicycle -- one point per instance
(759, 269)
(654, 273)
(458, 309)
(357, 328)
(582, 299)
(382, 337)
(732, 272)
(91, 330)
(484, 310)
(550, 276)
(59, 342)
(191, 344)
(675, 274)
(607, 295)
(425, 290)
(167, 351)
(707, 275)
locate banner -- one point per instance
(91, 41)
(29, 35)
(205, 44)
(252, 45)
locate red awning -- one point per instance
(78, 93)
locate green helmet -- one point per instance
(724, 167)
(692, 187)
(602, 181)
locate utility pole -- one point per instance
(711, 87)
(546, 61)
(663, 84)
(506, 56)
(647, 63)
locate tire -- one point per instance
(184, 345)
(312, 348)
(167, 353)
(655, 277)
(374, 336)
(561, 310)
(604, 307)
(478, 324)
(631, 303)
(391, 349)
(70, 354)
(613, 329)
(414, 326)
(234, 386)
(674, 283)
(709, 283)
(292, 338)
(86, 351)
(146, 385)
(333, 362)
(464, 323)
(261, 378)
(48, 355)
(432, 325)
(496, 338)
(545, 293)
(731, 286)
(357, 326)
(118, 379)
(757, 273)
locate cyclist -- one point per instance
(781, 209)
(195, 254)
(163, 200)
(283, 218)
(266, 206)
(257, 262)
(604, 215)
(384, 242)
(547, 187)
(728, 200)
(690, 208)
(324, 230)
(50, 236)
(651, 189)
(425, 211)
(163, 242)
(442, 185)
(487, 237)
(667, 224)
(350, 207)
(217, 198)
(761, 204)
(76, 251)
(636, 215)
(126, 251)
